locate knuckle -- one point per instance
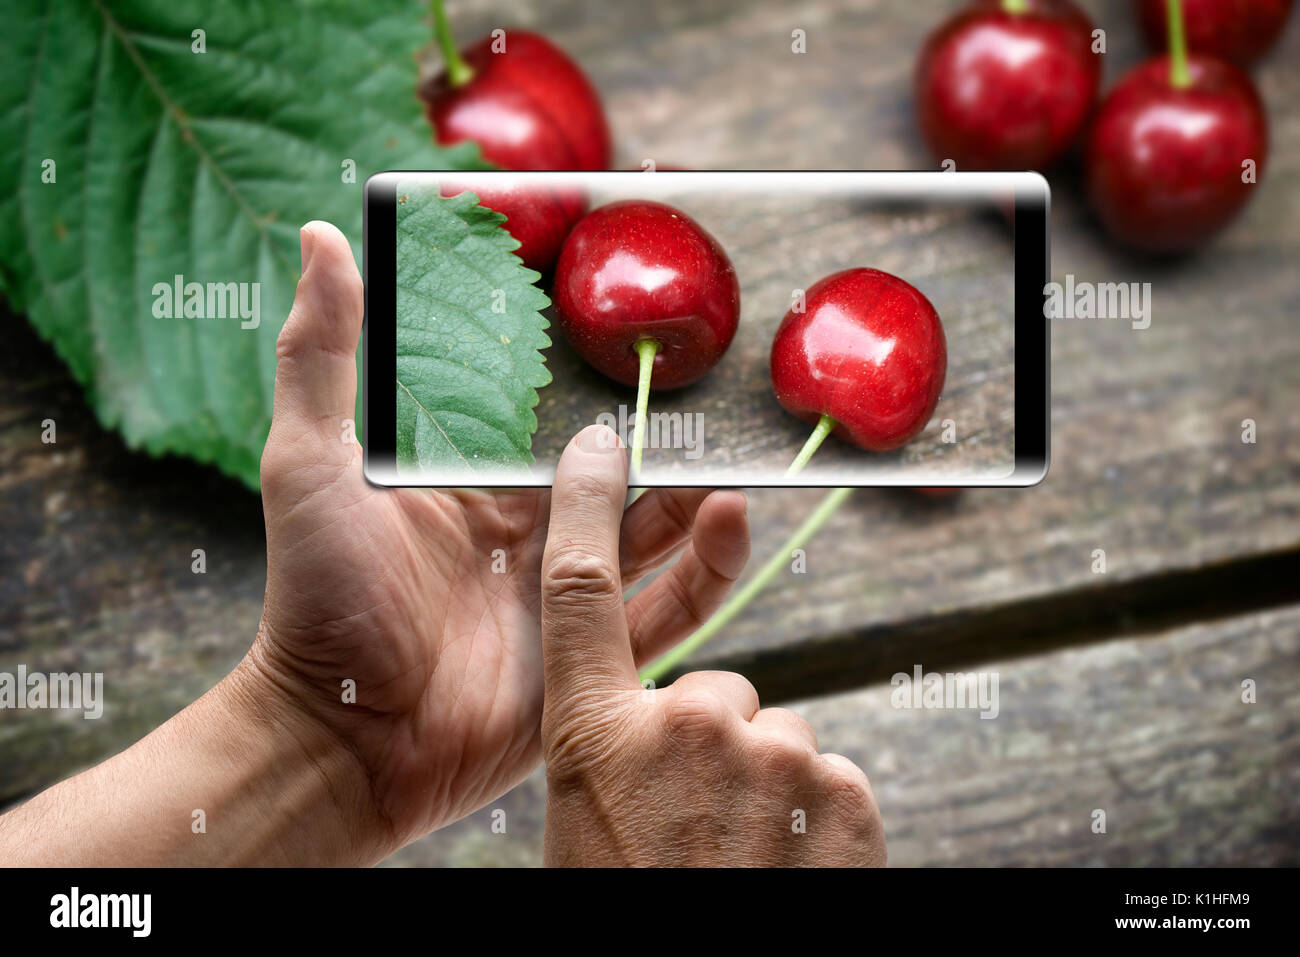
(289, 341)
(675, 513)
(849, 793)
(685, 600)
(783, 754)
(576, 575)
(571, 755)
(275, 464)
(582, 745)
(867, 828)
(698, 716)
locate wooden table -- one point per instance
(1120, 690)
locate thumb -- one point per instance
(316, 371)
(585, 644)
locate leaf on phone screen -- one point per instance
(148, 140)
(469, 335)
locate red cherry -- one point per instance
(869, 351)
(1164, 163)
(1000, 90)
(539, 217)
(636, 270)
(529, 108)
(1238, 30)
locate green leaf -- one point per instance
(169, 162)
(469, 335)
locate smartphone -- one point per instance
(891, 321)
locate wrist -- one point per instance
(308, 791)
(243, 776)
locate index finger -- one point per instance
(585, 644)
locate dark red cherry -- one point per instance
(869, 351)
(1238, 30)
(1004, 90)
(637, 269)
(540, 217)
(529, 107)
(1166, 165)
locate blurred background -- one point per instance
(1120, 682)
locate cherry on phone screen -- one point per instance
(865, 360)
(645, 294)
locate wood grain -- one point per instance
(1151, 730)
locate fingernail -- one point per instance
(307, 242)
(597, 438)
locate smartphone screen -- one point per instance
(780, 328)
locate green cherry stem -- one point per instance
(1179, 76)
(458, 71)
(737, 602)
(798, 538)
(647, 349)
(1015, 7)
(825, 426)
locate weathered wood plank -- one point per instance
(1151, 730)
(95, 559)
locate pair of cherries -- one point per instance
(1010, 84)
(1177, 147)
(645, 294)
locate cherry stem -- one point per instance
(737, 602)
(1179, 76)
(647, 349)
(458, 71)
(1015, 6)
(825, 426)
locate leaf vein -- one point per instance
(434, 420)
(187, 130)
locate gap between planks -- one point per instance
(839, 661)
